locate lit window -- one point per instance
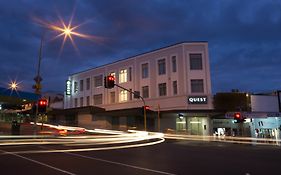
(123, 76)
(123, 96)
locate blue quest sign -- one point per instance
(197, 100)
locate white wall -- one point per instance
(263, 103)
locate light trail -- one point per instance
(226, 139)
(108, 141)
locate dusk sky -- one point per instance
(244, 38)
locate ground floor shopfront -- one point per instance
(263, 125)
(180, 121)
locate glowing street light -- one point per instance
(13, 85)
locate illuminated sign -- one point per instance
(68, 87)
(197, 100)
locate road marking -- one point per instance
(121, 164)
(40, 163)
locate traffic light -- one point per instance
(146, 108)
(238, 117)
(109, 82)
(42, 106)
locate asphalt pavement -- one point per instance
(170, 157)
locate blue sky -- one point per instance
(244, 38)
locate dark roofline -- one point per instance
(183, 42)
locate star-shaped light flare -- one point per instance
(68, 31)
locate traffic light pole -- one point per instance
(144, 111)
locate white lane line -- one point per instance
(121, 164)
(40, 163)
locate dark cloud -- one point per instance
(244, 37)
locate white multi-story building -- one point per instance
(174, 81)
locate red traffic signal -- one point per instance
(42, 106)
(238, 117)
(109, 81)
(146, 107)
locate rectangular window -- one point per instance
(88, 84)
(130, 94)
(175, 88)
(162, 89)
(123, 96)
(161, 67)
(144, 70)
(130, 74)
(75, 89)
(112, 97)
(145, 92)
(195, 61)
(98, 80)
(174, 63)
(75, 102)
(98, 99)
(81, 102)
(197, 86)
(81, 85)
(88, 101)
(123, 76)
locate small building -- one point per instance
(262, 119)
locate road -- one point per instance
(169, 157)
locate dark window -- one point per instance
(81, 101)
(98, 81)
(161, 67)
(175, 88)
(197, 86)
(130, 74)
(88, 84)
(145, 92)
(88, 101)
(162, 89)
(144, 69)
(195, 61)
(75, 102)
(81, 85)
(174, 64)
(112, 97)
(75, 89)
(98, 99)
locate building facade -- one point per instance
(174, 82)
(262, 121)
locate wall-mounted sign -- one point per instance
(68, 87)
(197, 100)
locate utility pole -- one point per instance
(37, 87)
